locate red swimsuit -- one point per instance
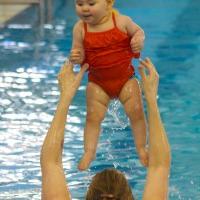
(109, 57)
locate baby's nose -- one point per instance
(85, 8)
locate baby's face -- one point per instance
(92, 11)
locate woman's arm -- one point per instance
(53, 179)
(159, 149)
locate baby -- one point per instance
(108, 41)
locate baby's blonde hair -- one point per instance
(113, 9)
(111, 1)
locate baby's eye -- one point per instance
(91, 4)
(79, 4)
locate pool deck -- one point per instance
(7, 12)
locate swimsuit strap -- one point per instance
(85, 27)
(114, 20)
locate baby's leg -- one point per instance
(97, 104)
(131, 97)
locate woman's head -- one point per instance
(109, 184)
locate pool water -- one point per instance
(29, 62)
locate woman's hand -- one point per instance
(69, 81)
(150, 79)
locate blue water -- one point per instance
(29, 62)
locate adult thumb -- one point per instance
(83, 70)
(84, 67)
(142, 72)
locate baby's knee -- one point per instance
(94, 117)
(136, 113)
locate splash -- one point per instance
(117, 112)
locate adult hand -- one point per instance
(156, 186)
(76, 56)
(150, 79)
(53, 177)
(69, 81)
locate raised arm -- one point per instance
(53, 179)
(159, 150)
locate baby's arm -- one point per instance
(77, 52)
(137, 34)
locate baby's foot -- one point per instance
(86, 160)
(143, 155)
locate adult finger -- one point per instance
(73, 59)
(142, 72)
(84, 67)
(144, 63)
(152, 66)
(154, 73)
(83, 70)
(61, 70)
(68, 65)
(147, 65)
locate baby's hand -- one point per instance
(76, 56)
(137, 44)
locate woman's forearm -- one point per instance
(53, 144)
(159, 149)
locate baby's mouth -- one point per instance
(86, 16)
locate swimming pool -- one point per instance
(29, 62)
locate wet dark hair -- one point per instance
(110, 184)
